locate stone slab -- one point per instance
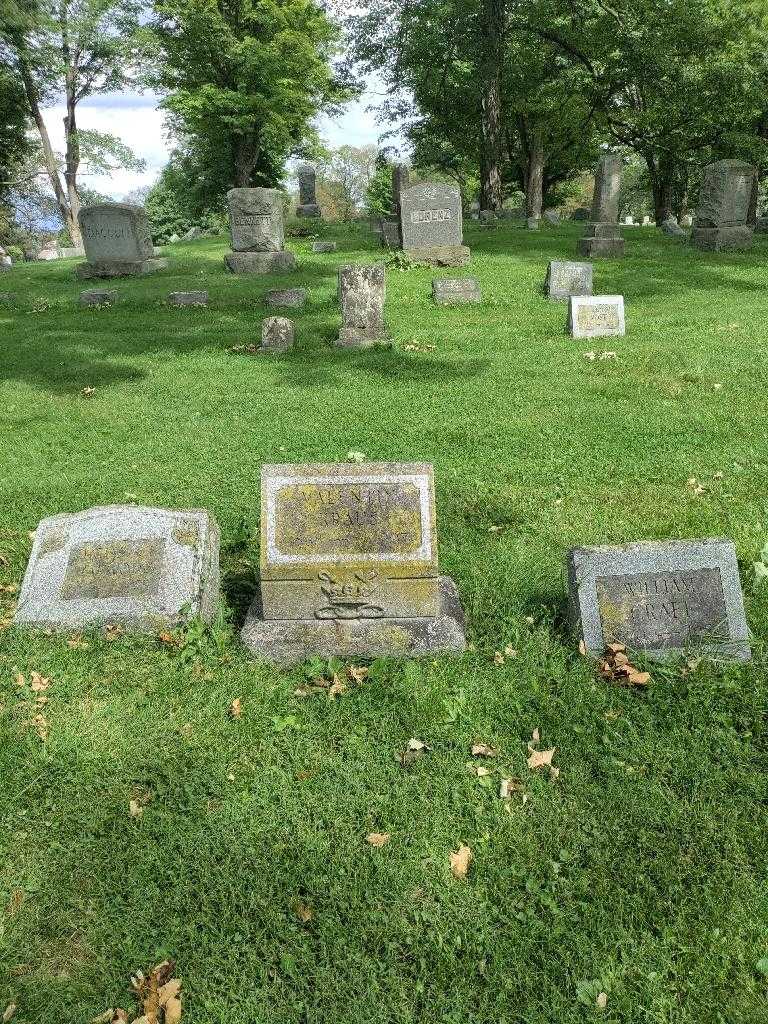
(362, 294)
(139, 567)
(443, 256)
(115, 233)
(533, 223)
(277, 335)
(566, 278)
(98, 297)
(726, 239)
(596, 316)
(431, 216)
(287, 643)
(456, 291)
(260, 262)
(601, 248)
(324, 247)
(256, 220)
(311, 210)
(390, 235)
(188, 298)
(91, 271)
(725, 196)
(291, 298)
(659, 597)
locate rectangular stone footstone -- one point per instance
(596, 316)
(321, 247)
(188, 298)
(144, 568)
(566, 278)
(659, 597)
(118, 242)
(349, 565)
(98, 297)
(456, 291)
(292, 298)
(277, 335)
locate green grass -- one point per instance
(640, 872)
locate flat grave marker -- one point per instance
(566, 278)
(596, 316)
(456, 291)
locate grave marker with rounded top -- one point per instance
(596, 316)
(603, 237)
(566, 278)
(308, 206)
(349, 565)
(117, 241)
(723, 210)
(143, 568)
(431, 225)
(362, 295)
(258, 232)
(659, 597)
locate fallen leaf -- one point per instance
(498, 658)
(355, 457)
(509, 786)
(460, 862)
(337, 687)
(536, 736)
(483, 750)
(554, 773)
(169, 990)
(639, 678)
(236, 707)
(9, 1012)
(42, 728)
(135, 809)
(417, 745)
(540, 758)
(510, 651)
(602, 1001)
(358, 673)
(38, 683)
(480, 770)
(377, 839)
(173, 1011)
(87, 392)
(304, 913)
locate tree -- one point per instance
(244, 80)
(343, 178)
(74, 49)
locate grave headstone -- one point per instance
(324, 247)
(308, 206)
(647, 221)
(686, 221)
(390, 235)
(671, 227)
(193, 233)
(596, 316)
(552, 217)
(400, 181)
(362, 294)
(431, 225)
(659, 597)
(581, 213)
(456, 291)
(533, 223)
(292, 298)
(188, 298)
(603, 237)
(174, 238)
(349, 565)
(487, 217)
(69, 252)
(566, 278)
(277, 334)
(118, 242)
(98, 297)
(143, 568)
(723, 210)
(258, 232)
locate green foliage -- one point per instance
(378, 195)
(343, 177)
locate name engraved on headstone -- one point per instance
(120, 568)
(430, 216)
(594, 317)
(663, 610)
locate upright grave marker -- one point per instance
(431, 225)
(362, 294)
(277, 335)
(596, 316)
(603, 237)
(118, 242)
(659, 597)
(308, 206)
(724, 202)
(140, 567)
(568, 278)
(349, 565)
(400, 182)
(258, 232)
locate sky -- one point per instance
(136, 120)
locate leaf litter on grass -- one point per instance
(159, 994)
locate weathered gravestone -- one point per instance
(533, 223)
(362, 294)
(349, 565)
(193, 233)
(5, 260)
(659, 597)
(308, 206)
(98, 297)
(140, 567)
(603, 237)
(390, 235)
(566, 278)
(118, 242)
(456, 291)
(672, 228)
(596, 316)
(277, 335)
(258, 232)
(552, 217)
(69, 252)
(724, 203)
(291, 298)
(431, 225)
(324, 247)
(188, 299)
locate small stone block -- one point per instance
(260, 262)
(139, 567)
(533, 223)
(188, 298)
(98, 297)
(442, 256)
(324, 247)
(277, 334)
(597, 316)
(659, 597)
(114, 268)
(568, 278)
(292, 298)
(456, 291)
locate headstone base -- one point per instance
(723, 239)
(310, 210)
(594, 248)
(89, 271)
(442, 255)
(259, 262)
(361, 337)
(289, 642)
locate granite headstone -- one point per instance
(118, 242)
(603, 237)
(596, 316)
(258, 232)
(456, 291)
(566, 278)
(362, 295)
(431, 225)
(724, 204)
(308, 205)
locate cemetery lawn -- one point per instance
(639, 872)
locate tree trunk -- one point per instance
(534, 175)
(492, 15)
(49, 156)
(247, 152)
(662, 178)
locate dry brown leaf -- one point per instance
(304, 913)
(554, 773)
(337, 687)
(358, 673)
(173, 1011)
(540, 758)
(480, 771)
(9, 1012)
(483, 750)
(602, 1001)
(498, 658)
(42, 728)
(460, 862)
(536, 737)
(38, 683)
(509, 786)
(639, 678)
(169, 990)
(236, 707)
(135, 809)
(377, 839)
